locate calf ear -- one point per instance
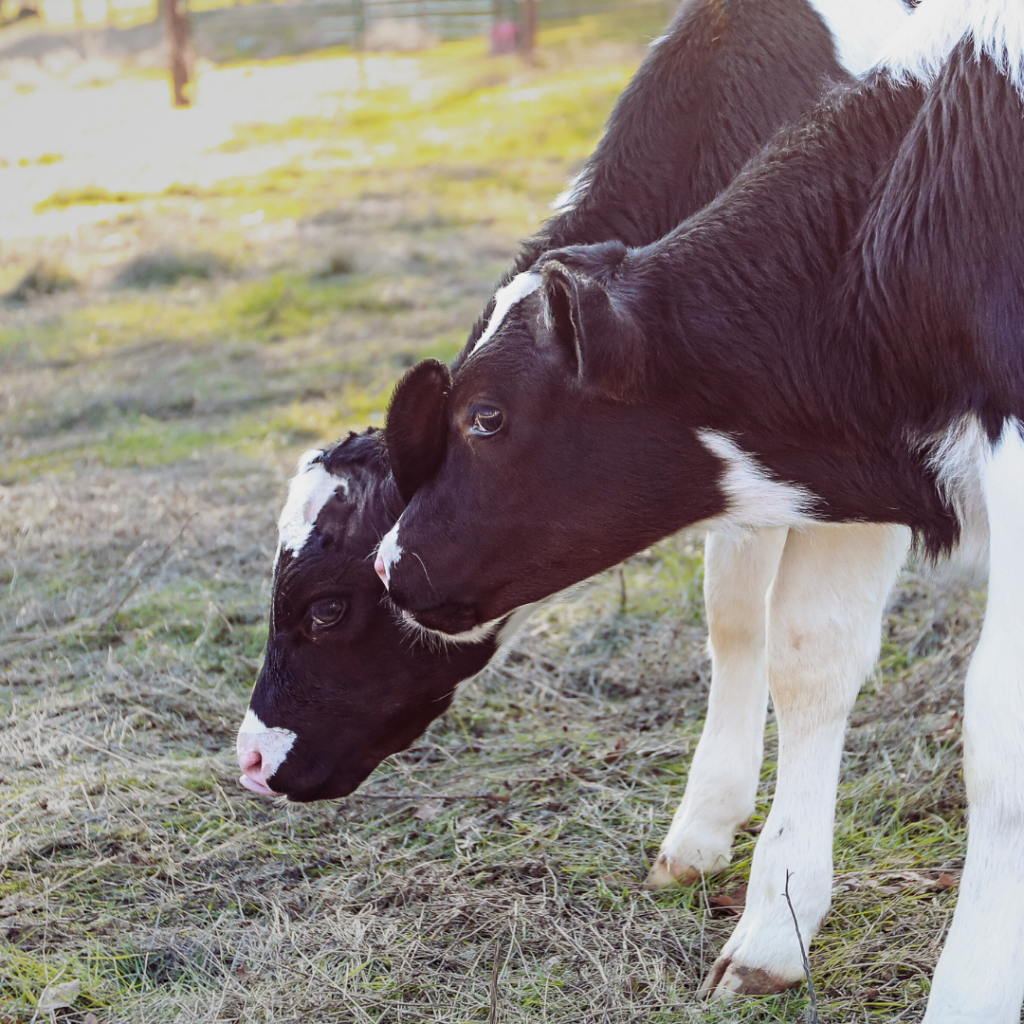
(601, 342)
(417, 426)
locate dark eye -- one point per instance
(326, 613)
(486, 420)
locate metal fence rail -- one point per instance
(225, 30)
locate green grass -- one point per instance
(89, 195)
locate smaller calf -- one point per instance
(346, 682)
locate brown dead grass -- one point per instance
(515, 833)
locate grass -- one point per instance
(147, 435)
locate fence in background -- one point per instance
(340, 21)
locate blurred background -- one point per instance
(254, 270)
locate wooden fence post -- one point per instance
(528, 28)
(359, 29)
(179, 47)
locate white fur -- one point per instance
(475, 635)
(310, 489)
(980, 975)
(273, 745)
(390, 551)
(722, 783)
(937, 26)
(504, 299)
(755, 499)
(862, 30)
(573, 192)
(824, 626)
(958, 457)
(514, 624)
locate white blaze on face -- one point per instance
(936, 28)
(310, 489)
(271, 743)
(389, 552)
(504, 299)
(861, 31)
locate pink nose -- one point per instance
(250, 760)
(380, 570)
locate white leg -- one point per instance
(722, 785)
(980, 975)
(824, 624)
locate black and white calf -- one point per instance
(345, 682)
(837, 339)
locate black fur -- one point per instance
(711, 92)
(855, 291)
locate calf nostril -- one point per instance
(252, 763)
(380, 570)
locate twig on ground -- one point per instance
(812, 1016)
(93, 624)
(148, 568)
(492, 1017)
(499, 797)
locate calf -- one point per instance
(838, 338)
(346, 682)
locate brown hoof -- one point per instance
(666, 872)
(726, 979)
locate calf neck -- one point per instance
(629, 393)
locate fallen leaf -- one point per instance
(731, 904)
(428, 811)
(942, 726)
(56, 996)
(617, 751)
(946, 880)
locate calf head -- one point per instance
(346, 681)
(544, 459)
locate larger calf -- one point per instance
(838, 338)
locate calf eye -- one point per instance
(326, 613)
(486, 420)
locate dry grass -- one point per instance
(490, 873)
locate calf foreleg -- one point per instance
(824, 619)
(980, 975)
(722, 784)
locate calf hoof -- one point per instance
(667, 872)
(727, 979)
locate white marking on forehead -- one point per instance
(936, 27)
(861, 31)
(310, 489)
(504, 299)
(755, 499)
(390, 551)
(273, 743)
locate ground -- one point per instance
(193, 298)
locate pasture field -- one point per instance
(192, 300)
